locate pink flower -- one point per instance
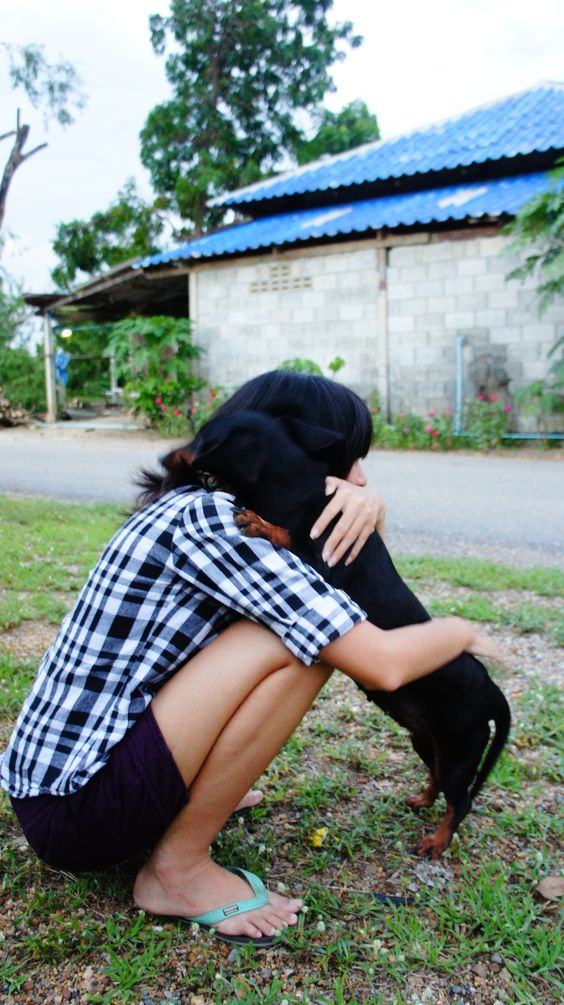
(402, 415)
(431, 413)
(164, 408)
(428, 428)
(158, 401)
(493, 397)
(481, 397)
(192, 411)
(507, 408)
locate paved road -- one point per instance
(504, 508)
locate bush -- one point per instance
(22, 378)
(485, 420)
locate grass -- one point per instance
(475, 930)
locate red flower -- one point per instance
(178, 411)
(434, 432)
(213, 394)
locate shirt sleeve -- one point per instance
(268, 585)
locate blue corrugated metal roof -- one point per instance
(458, 202)
(525, 123)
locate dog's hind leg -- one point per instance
(425, 746)
(457, 774)
(427, 797)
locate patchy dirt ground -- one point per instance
(472, 936)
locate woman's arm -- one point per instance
(386, 660)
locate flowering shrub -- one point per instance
(486, 419)
(205, 405)
(409, 431)
(169, 415)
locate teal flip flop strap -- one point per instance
(212, 918)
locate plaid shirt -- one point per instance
(173, 577)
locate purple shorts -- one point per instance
(122, 811)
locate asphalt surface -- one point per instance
(507, 508)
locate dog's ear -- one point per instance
(318, 442)
(232, 447)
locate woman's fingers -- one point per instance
(360, 512)
(487, 649)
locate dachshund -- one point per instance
(276, 468)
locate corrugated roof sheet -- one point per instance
(457, 202)
(525, 123)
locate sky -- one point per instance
(420, 62)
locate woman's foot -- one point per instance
(205, 886)
(251, 798)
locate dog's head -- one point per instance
(276, 465)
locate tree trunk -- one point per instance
(16, 158)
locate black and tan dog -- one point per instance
(277, 470)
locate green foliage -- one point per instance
(301, 365)
(13, 311)
(89, 368)
(155, 356)
(22, 378)
(56, 87)
(239, 73)
(485, 420)
(340, 131)
(129, 228)
(538, 228)
(545, 398)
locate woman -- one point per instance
(160, 702)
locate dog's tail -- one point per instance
(502, 720)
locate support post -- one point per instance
(49, 359)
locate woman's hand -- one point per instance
(362, 511)
(485, 648)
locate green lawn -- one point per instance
(477, 931)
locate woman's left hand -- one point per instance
(362, 511)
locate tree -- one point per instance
(538, 228)
(129, 228)
(239, 72)
(56, 87)
(340, 131)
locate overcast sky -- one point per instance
(420, 62)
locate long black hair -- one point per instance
(315, 400)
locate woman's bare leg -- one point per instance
(224, 717)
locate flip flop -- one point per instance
(210, 919)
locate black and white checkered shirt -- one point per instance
(174, 576)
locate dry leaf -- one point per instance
(551, 887)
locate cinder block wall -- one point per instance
(251, 315)
(397, 337)
(441, 290)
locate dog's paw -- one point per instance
(253, 525)
(420, 802)
(433, 845)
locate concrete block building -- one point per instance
(391, 255)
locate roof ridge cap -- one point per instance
(373, 144)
